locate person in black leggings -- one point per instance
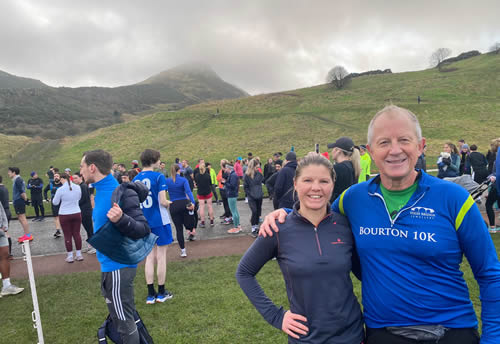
(182, 208)
(86, 208)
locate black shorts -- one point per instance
(55, 209)
(20, 207)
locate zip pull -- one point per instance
(317, 241)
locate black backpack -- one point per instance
(108, 329)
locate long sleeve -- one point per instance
(455, 166)
(261, 251)
(481, 254)
(188, 192)
(498, 171)
(56, 200)
(4, 223)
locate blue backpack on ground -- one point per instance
(108, 330)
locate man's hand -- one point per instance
(115, 213)
(269, 224)
(291, 325)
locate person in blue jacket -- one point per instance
(117, 280)
(411, 232)
(315, 251)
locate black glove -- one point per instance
(27, 202)
(447, 161)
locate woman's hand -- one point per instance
(269, 224)
(291, 325)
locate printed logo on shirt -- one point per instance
(339, 241)
(422, 213)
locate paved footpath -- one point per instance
(48, 253)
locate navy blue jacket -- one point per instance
(132, 223)
(232, 185)
(316, 265)
(283, 188)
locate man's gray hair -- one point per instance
(394, 108)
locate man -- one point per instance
(35, 184)
(56, 184)
(135, 165)
(117, 279)
(163, 169)
(19, 200)
(7, 287)
(156, 213)
(283, 188)
(115, 172)
(411, 232)
(421, 162)
(188, 173)
(366, 164)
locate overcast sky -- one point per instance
(260, 46)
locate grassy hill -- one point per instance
(464, 103)
(57, 112)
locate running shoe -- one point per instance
(11, 290)
(69, 259)
(91, 250)
(212, 223)
(234, 230)
(150, 300)
(183, 253)
(79, 258)
(494, 230)
(164, 297)
(57, 234)
(41, 219)
(191, 237)
(35, 219)
(25, 237)
(202, 224)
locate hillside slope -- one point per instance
(460, 104)
(56, 112)
(12, 81)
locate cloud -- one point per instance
(260, 46)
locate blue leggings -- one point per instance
(234, 210)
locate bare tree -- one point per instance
(438, 56)
(338, 76)
(495, 48)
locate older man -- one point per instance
(411, 232)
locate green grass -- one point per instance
(460, 104)
(208, 305)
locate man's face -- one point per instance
(125, 178)
(11, 174)
(122, 168)
(278, 167)
(57, 177)
(77, 179)
(184, 163)
(395, 149)
(115, 166)
(162, 165)
(86, 171)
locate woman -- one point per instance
(204, 183)
(182, 205)
(449, 161)
(347, 165)
(252, 184)
(67, 197)
(477, 165)
(268, 169)
(232, 185)
(226, 217)
(315, 251)
(492, 193)
(155, 211)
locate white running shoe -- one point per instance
(11, 290)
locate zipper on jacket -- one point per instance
(400, 211)
(317, 241)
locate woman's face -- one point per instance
(314, 187)
(446, 148)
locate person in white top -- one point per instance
(67, 197)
